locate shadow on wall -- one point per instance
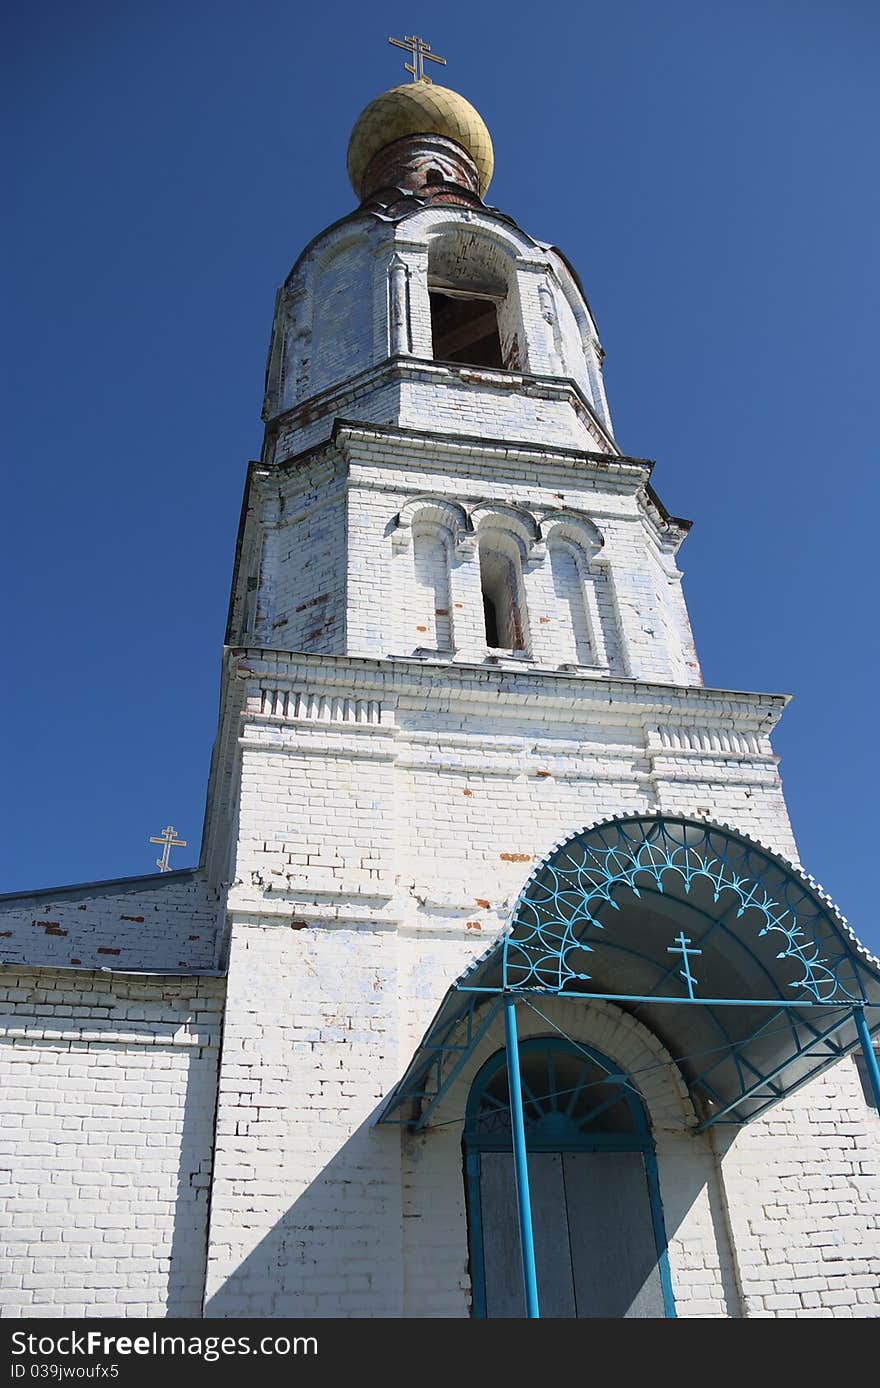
(692, 1194)
(335, 1252)
(189, 1239)
(338, 1250)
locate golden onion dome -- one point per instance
(419, 108)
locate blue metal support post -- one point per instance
(869, 1053)
(520, 1161)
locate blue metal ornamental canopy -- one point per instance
(741, 965)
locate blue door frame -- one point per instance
(638, 1139)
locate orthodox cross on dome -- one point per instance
(681, 947)
(420, 51)
(167, 838)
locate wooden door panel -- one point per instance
(613, 1249)
(501, 1247)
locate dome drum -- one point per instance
(433, 167)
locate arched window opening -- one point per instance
(600, 1243)
(568, 586)
(473, 287)
(502, 610)
(464, 328)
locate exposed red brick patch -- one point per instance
(76, 961)
(467, 792)
(299, 925)
(458, 604)
(544, 619)
(544, 773)
(313, 635)
(5, 934)
(515, 857)
(192, 937)
(55, 930)
(441, 611)
(480, 902)
(282, 622)
(474, 925)
(83, 907)
(313, 602)
(138, 919)
(421, 628)
(104, 950)
(182, 964)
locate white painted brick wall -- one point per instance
(300, 595)
(105, 1151)
(305, 1216)
(161, 922)
(803, 1190)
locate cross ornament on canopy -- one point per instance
(420, 51)
(682, 947)
(168, 840)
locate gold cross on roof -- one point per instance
(420, 51)
(169, 840)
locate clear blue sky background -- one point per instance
(709, 169)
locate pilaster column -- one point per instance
(399, 325)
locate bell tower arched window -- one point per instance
(472, 287)
(464, 328)
(501, 584)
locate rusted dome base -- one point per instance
(432, 167)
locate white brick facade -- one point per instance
(384, 779)
(109, 1089)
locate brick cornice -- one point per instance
(466, 685)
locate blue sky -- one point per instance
(709, 170)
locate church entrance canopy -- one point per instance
(741, 966)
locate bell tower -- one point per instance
(457, 633)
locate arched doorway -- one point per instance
(600, 1243)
